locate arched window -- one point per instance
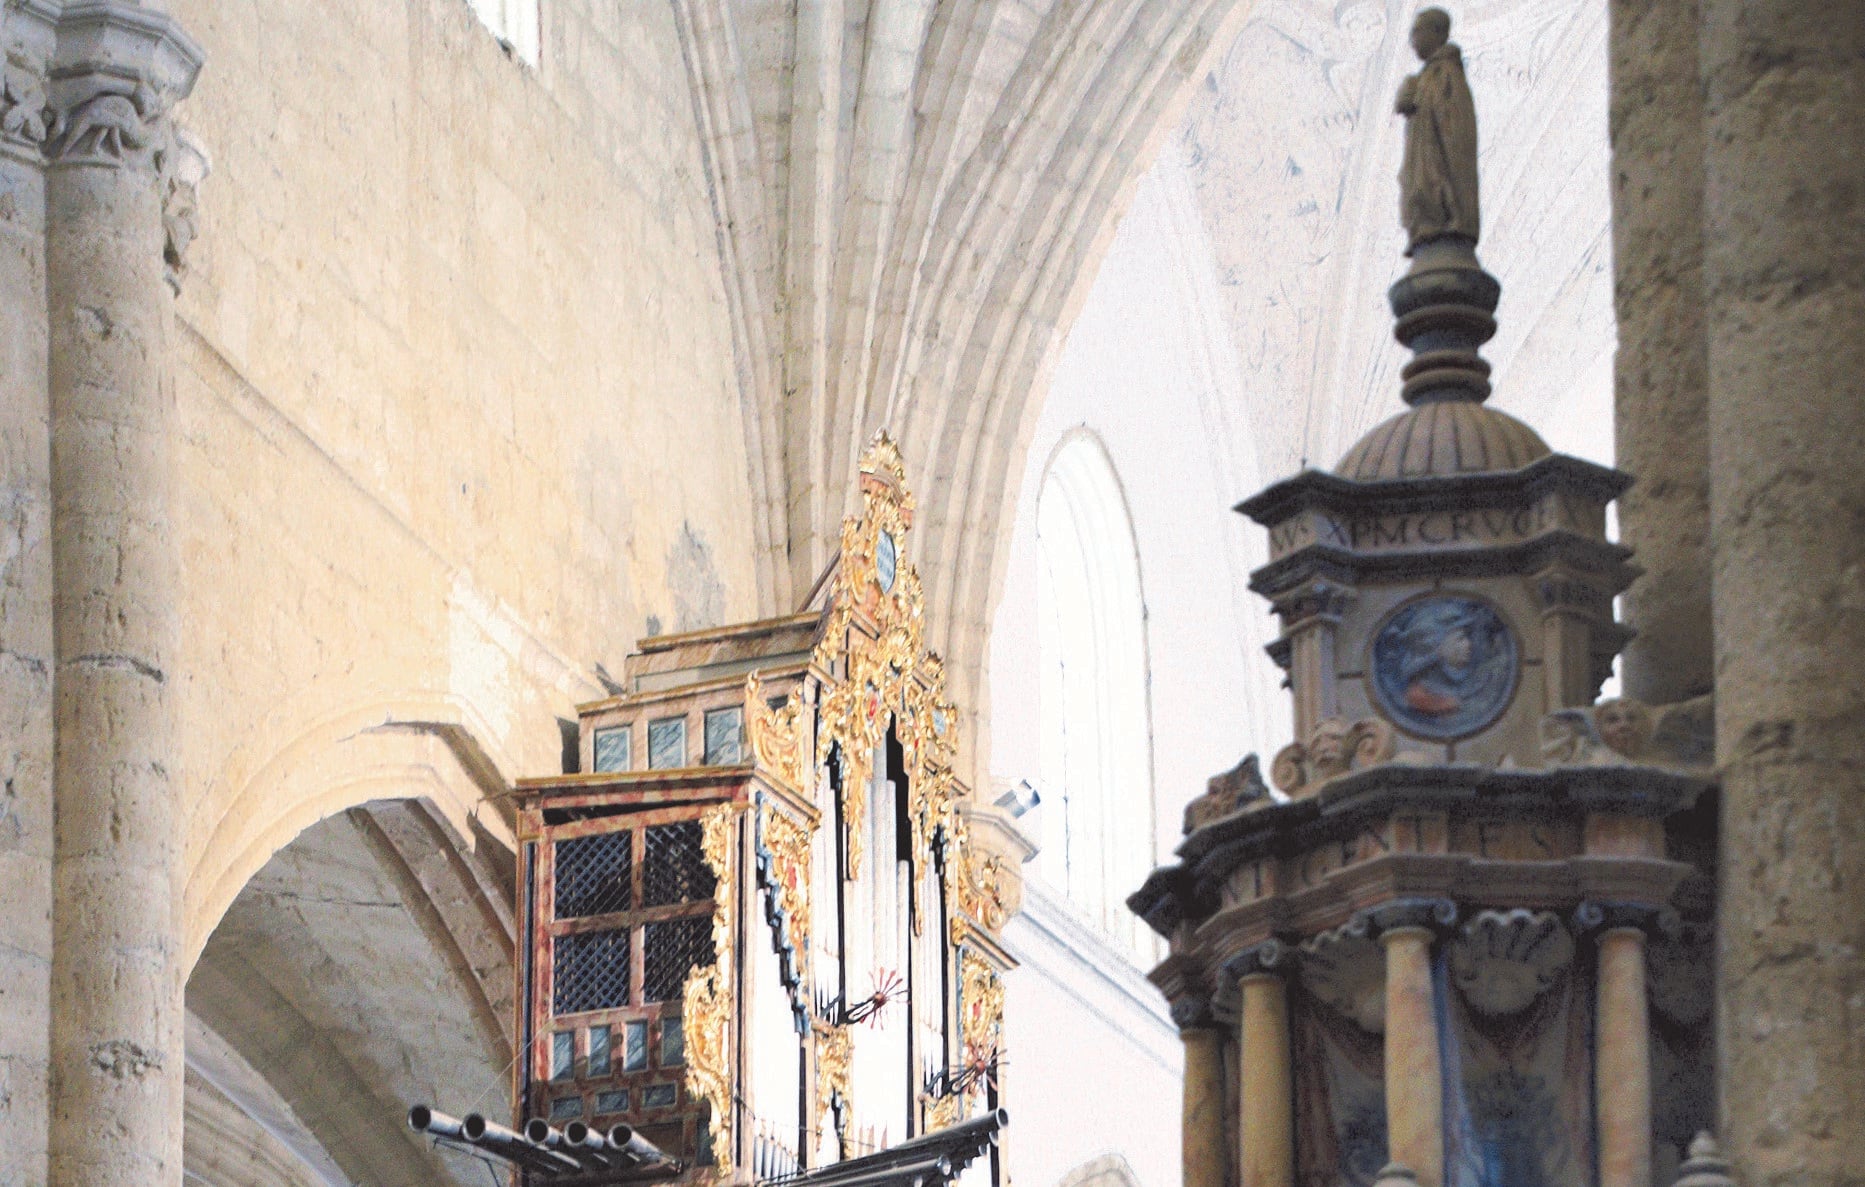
(1096, 729)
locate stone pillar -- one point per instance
(1414, 1064)
(26, 657)
(1266, 1105)
(116, 1035)
(1622, 1053)
(1202, 1117)
(1784, 269)
(1310, 618)
(1660, 373)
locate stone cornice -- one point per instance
(1322, 489)
(1348, 567)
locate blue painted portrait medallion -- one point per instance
(886, 561)
(1444, 666)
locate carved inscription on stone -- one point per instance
(1476, 528)
(1408, 832)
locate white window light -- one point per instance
(514, 23)
(1096, 728)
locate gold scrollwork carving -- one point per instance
(775, 738)
(706, 1004)
(789, 843)
(835, 1052)
(981, 1011)
(975, 882)
(874, 647)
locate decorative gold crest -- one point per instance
(874, 646)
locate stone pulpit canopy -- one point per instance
(1445, 948)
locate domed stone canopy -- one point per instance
(1442, 437)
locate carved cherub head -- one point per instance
(1327, 749)
(1431, 30)
(1624, 725)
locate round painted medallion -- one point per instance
(886, 561)
(1444, 666)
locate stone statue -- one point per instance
(1437, 182)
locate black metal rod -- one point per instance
(926, 1171)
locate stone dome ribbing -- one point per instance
(1442, 437)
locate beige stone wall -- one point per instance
(457, 404)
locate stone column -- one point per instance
(1784, 269)
(1266, 1105)
(116, 1036)
(1202, 1116)
(1660, 373)
(1414, 1065)
(25, 594)
(1622, 1054)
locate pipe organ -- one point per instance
(759, 938)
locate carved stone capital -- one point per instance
(117, 71)
(1271, 956)
(1597, 918)
(1436, 915)
(27, 38)
(1193, 1012)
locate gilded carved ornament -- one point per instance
(775, 737)
(981, 1012)
(835, 1052)
(887, 678)
(789, 843)
(706, 1004)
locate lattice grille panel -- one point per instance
(673, 869)
(590, 972)
(672, 950)
(595, 874)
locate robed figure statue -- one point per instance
(1437, 182)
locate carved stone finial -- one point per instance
(1446, 302)
(1706, 1166)
(1229, 792)
(1437, 182)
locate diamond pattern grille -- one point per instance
(590, 971)
(595, 874)
(672, 950)
(673, 868)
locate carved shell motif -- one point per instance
(1503, 960)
